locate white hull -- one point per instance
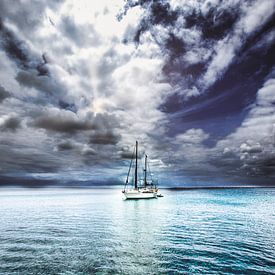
(140, 194)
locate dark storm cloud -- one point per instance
(15, 48)
(81, 149)
(10, 180)
(65, 145)
(3, 94)
(215, 23)
(33, 182)
(36, 74)
(27, 18)
(19, 52)
(159, 12)
(101, 126)
(126, 153)
(104, 131)
(32, 67)
(23, 59)
(43, 83)
(51, 88)
(11, 123)
(15, 159)
(228, 164)
(104, 137)
(67, 123)
(263, 167)
(42, 67)
(266, 166)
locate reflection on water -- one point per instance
(96, 232)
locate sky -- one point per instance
(192, 81)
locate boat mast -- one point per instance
(127, 179)
(136, 187)
(145, 172)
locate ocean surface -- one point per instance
(94, 231)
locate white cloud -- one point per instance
(195, 136)
(225, 51)
(251, 148)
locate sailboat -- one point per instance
(147, 190)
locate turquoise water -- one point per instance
(74, 231)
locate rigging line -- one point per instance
(129, 170)
(151, 177)
(149, 170)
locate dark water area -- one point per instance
(94, 231)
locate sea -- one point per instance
(95, 231)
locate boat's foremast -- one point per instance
(136, 179)
(145, 172)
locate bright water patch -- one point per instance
(66, 231)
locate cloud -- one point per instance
(79, 87)
(245, 155)
(79, 148)
(10, 123)
(65, 145)
(88, 151)
(61, 121)
(253, 17)
(247, 148)
(195, 136)
(83, 35)
(253, 141)
(126, 153)
(42, 83)
(13, 47)
(68, 122)
(3, 94)
(200, 40)
(104, 137)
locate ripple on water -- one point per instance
(96, 232)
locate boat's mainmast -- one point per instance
(145, 172)
(136, 180)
